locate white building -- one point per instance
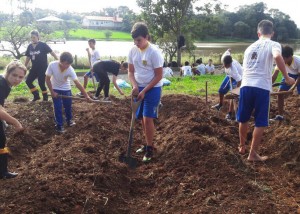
(102, 22)
(50, 19)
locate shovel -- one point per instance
(81, 99)
(130, 161)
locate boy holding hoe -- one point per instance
(234, 72)
(57, 79)
(292, 65)
(145, 74)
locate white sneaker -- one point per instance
(80, 94)
(106, 99)
(277, 118)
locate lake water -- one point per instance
(206, 49)
(120, 48)
(106, 48)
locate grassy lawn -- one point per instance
(84, 34)
(179, 85)
(195, 86)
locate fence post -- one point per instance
(206, 92)
(75, 59)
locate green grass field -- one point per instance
(179, 85)
(84, 34)
(195, 86)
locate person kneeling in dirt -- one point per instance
(15, 73)
(234, 72)
(57, 79)
(102, 68)
(292, 66)
(145, 74)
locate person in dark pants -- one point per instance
(15, 73)
(58, 76)
(37, 52)
(102, 68)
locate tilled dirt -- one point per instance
(196, 168)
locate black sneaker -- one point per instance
(8, 175)
(71, 123)
(60, 129)
(35, 99)
(217, 106)
(228, 116)
(149, 154)
(45, 97)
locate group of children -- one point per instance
(145, 72)
(255, 80)
(197, 68)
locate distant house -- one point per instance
(50, 19)
(102, 22)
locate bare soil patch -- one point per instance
(196, 168)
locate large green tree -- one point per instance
(167, 16)
(15, 30)
(16, 37)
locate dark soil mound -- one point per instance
(196, 168)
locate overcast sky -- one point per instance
(289, 7)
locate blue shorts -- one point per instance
(225, 86)
(89, 74)
(253, 98)
(285, 87)
(149, 105)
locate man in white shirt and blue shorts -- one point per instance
(292, 65)
(257, 85)
(234, 72)
(145, 72)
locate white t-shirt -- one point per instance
(60, 79)
(201, 68)
(187, 70)
(294, 68)
(167, 72)
(258, 63)
(95, 56)
(235, 70)
(210, 68)
(144, 62)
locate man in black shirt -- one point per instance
(102, 68)
(37, 52)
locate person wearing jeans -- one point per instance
(57, 78)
